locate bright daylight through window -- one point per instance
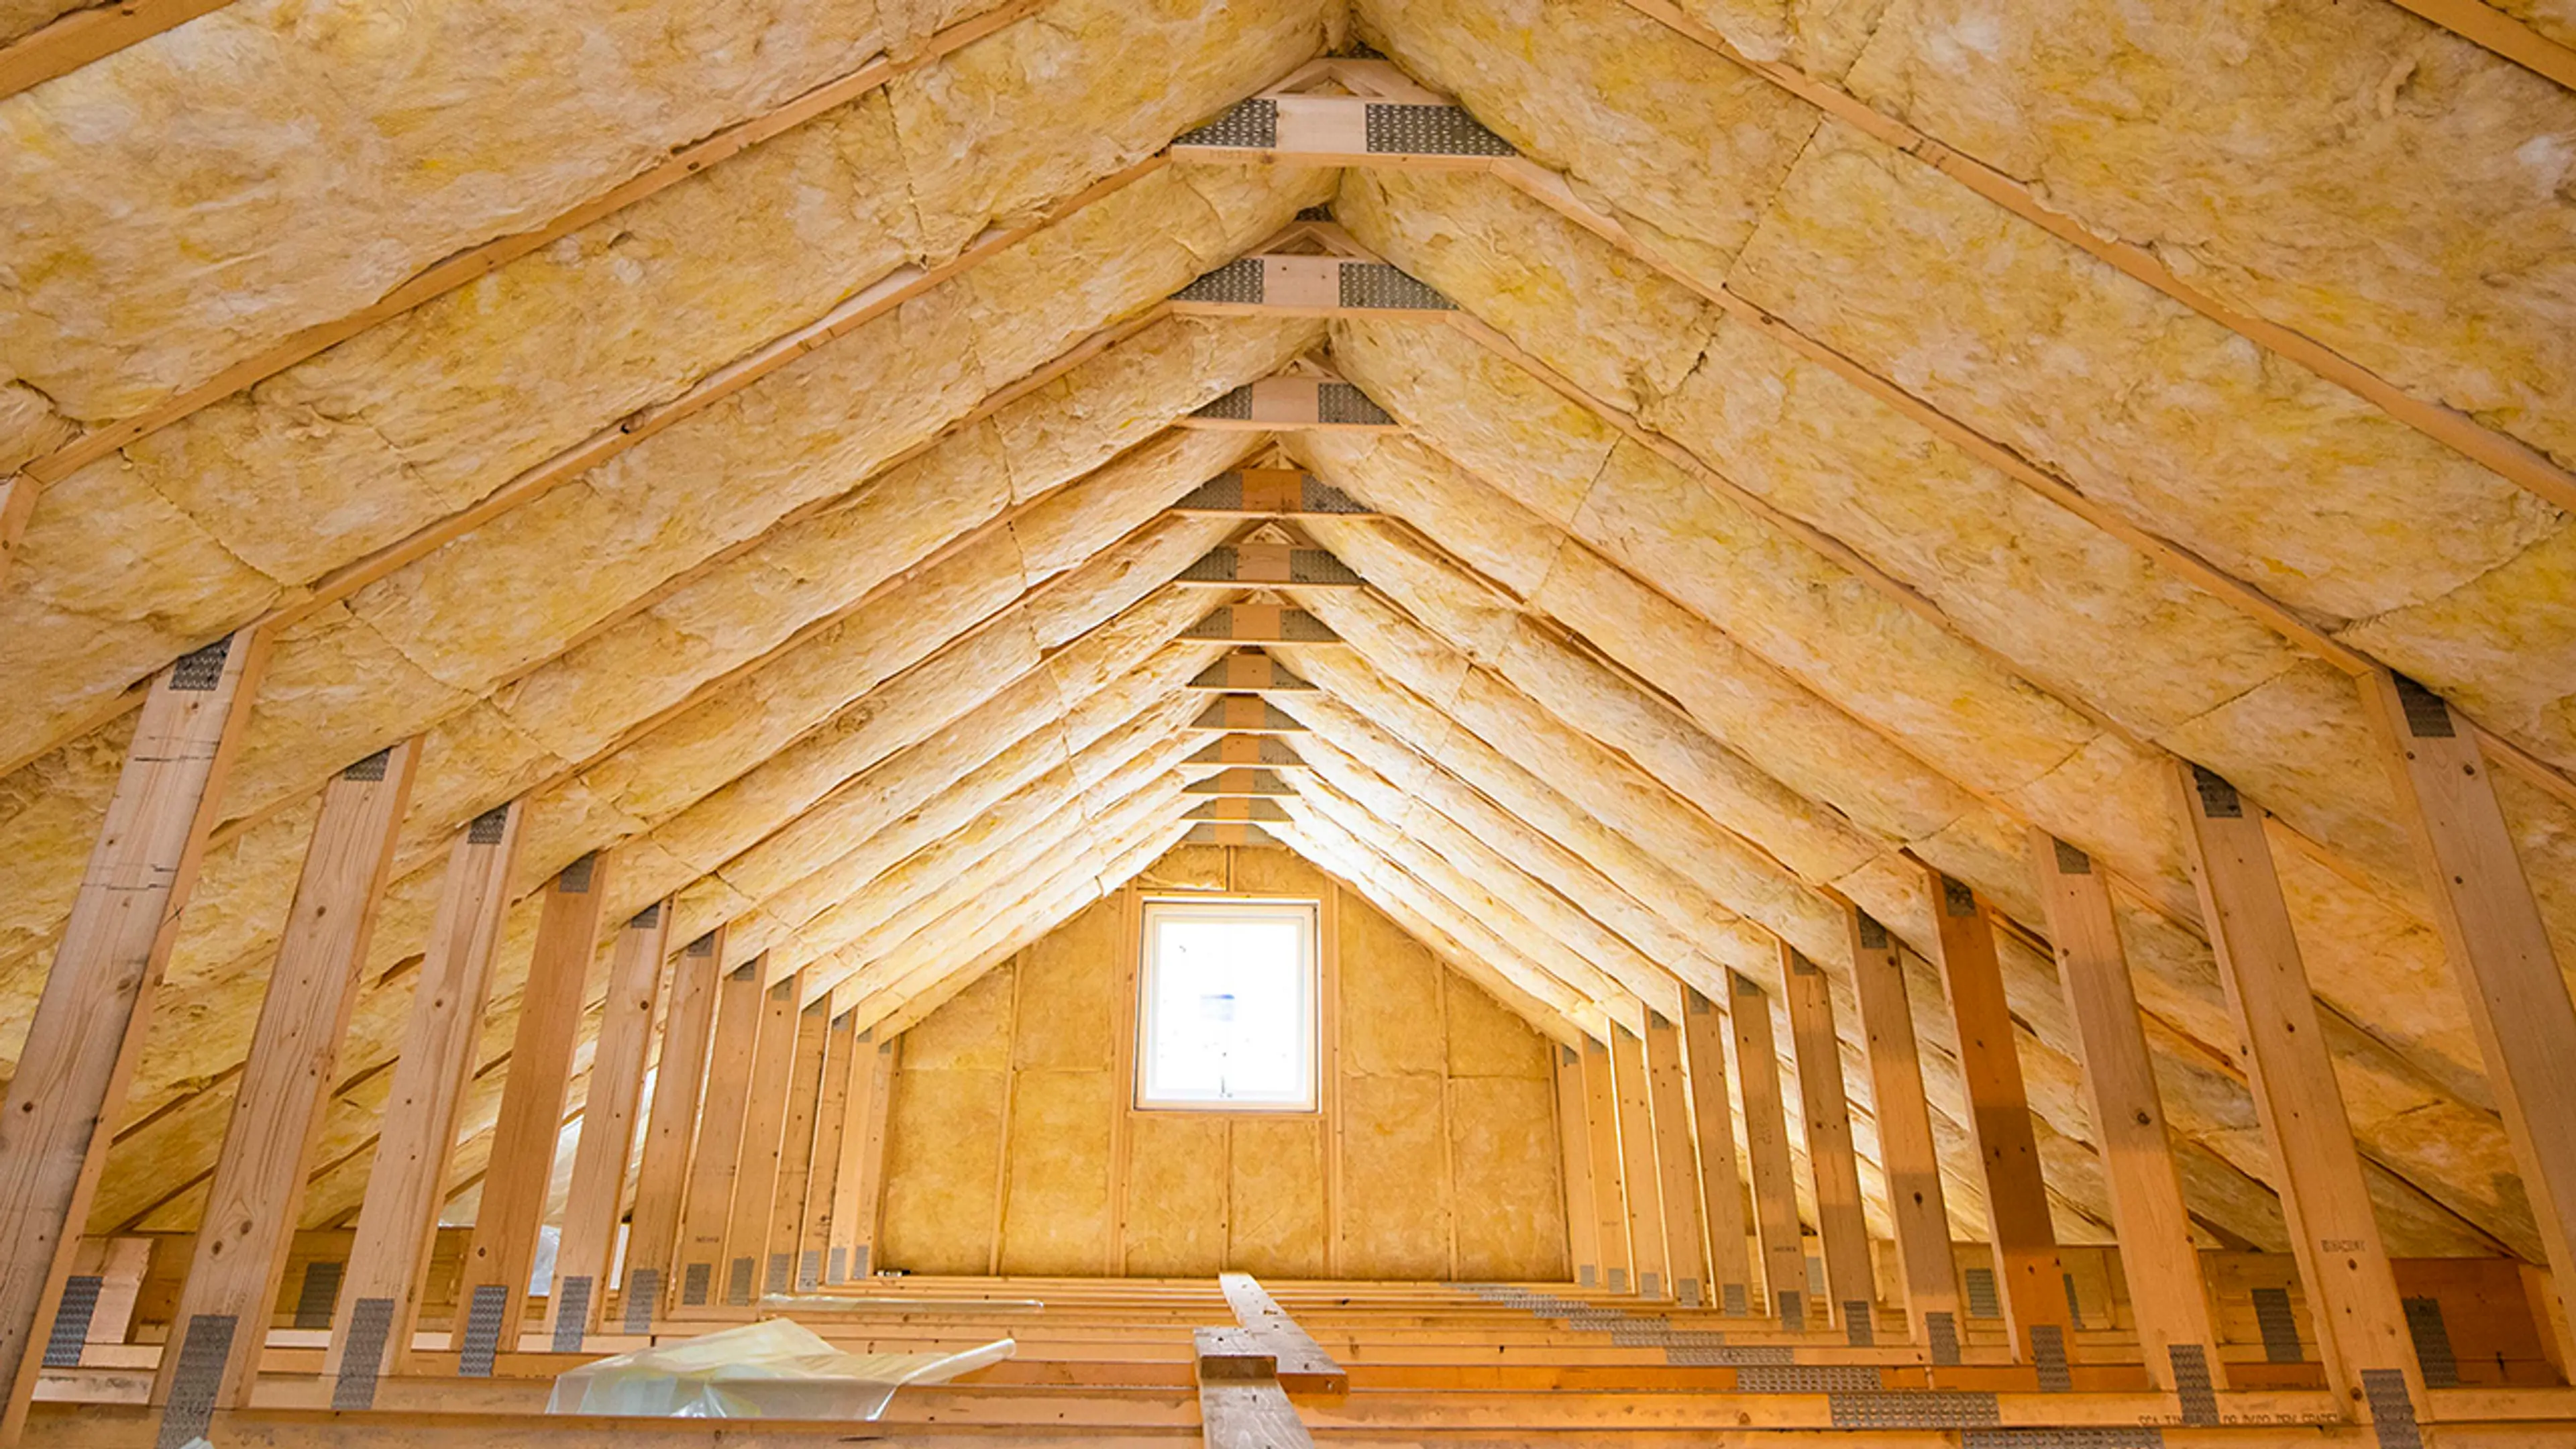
(1227, 1008)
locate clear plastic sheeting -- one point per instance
(776, 1369)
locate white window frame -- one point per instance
(1309, 917)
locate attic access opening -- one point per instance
(1226, 1006)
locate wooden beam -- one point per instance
(1269, 285)
(1250, 670)
(1260, 750)
(1609, 1180)
(2033, 1280)
(1261, 624)
(1329, 130)
(1271, 493)
(389, 1258)
(2166, 1293)
(586, 1252)
(1239, 810)
(1582, 1218)
(787, 1270)
(1292, 402)
(2343, 1263)
(1304, 1367)
(1676, 1162)
(1247, 714)
(2498, 947)
(1831, 1158)
(89, 1024)
(252, 1203)
(492, 1283)
(1721, 1182)
(1270, 564)
(661, 1177)
(700, 1258)
(1241, 784)
(1908, 1155)
(841, 1047)
(1241, 835)
(860, 1173)
(1645, 1195)
(1766, 1145)
(756, 1157)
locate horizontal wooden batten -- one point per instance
(1246, 714)
(1308, 287)
(1293, 402)
(1241, 784)
(1215, 833)
(1271, 563)
(1241, 811)
(1261, 624)
(1346, 131)
(1249, 671)
(1262, 750)
(1271, 493)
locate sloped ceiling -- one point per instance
(753, 435)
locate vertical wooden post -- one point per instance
(1906, 1148)
(716, 1158)
(662, 1177)
(258, 1185)
(2034, 1283)
(1766, 1144)
(1609, 1179)
(764, 1123)
(1582, 1220)
(589, 1243)
(1676, 1161)
(1721, 1182)
(1831, 1158)
(2498, 948)
(2361, 1325)
(2166, 1293)
(492, 1288)
(822, 1173)
(1637, 1165)
(380, 1292)
(796, 1150)
(861, 1170)
(97, 1003)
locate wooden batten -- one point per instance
(1240, 810)
(1609, 1174)
(1261, 624)
(699, 1262)
(492, 1290)
(70, 1080)
(257, 1192)
(1236, 834)
(1240, 784)
(1927, 1269)
(2334, 1233)
(2029, 1273)
(751, 1261)
(1249, 670)
(1833, 1162)
(670, 1128)
(380, 1291)
(1732, 1287)
(1766, 1148)
(1292, 403)
(1271, 493)
(592, 1203)
(1247, 714)
(1676, 1162)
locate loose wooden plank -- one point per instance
(1304, 1367)
(1249, 1414)
(716, 1157)
(1609, 1180)
(1832, 1160)
(1908, 1157)
(90, 1020)
(524, 1138)
(2343, 1262)
(2167, 1296)
(747, 1260)
(1766, 1143)
(1721, 1181)
(380, 1291)
(796, 1152)
(1676, 1162)
(591, 1204)
(1582, 1219)
(661, 1178)
(253, 1199)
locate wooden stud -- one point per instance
(257, 1190)
(81, 1046)
(2166, 1294)
(1122, 1066)
(856, 1179)
(1645, 1195)
(389, 1258)
(1328, 1075)
(2343, 1262)
(787, 1270)
(1609, 1180)
(747, 1245)
(661, 1177)
(1582, 1218)
(2498, 947)
(1908, 1156)
(1721, 1182)
(2032, 1279)
(1850, 1289)
(841, 1047)
(1676, 1162)
(529, 1130)
(588, 1246)
(700, 1261)
(1766, 1146)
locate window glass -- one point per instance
(1227, 1017)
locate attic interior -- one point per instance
(1390, 722)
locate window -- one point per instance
(1226, 1015)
